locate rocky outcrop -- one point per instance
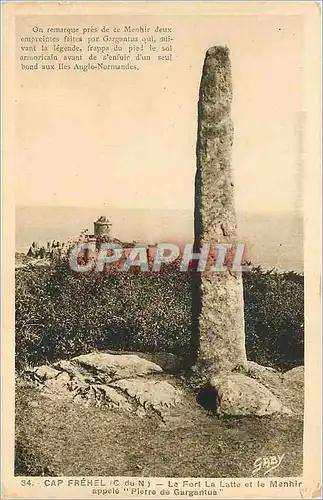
(131, 383)
(123, 382)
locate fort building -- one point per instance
(102, 227)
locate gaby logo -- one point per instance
(86, 256)
(267, 464)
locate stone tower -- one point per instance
(102, 227)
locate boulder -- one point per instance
(239, 395)
(114, 381)
(148, 393)
(75, 370)
(255, 368)
(44, 372)
(295, 376)
(59, 387)
(287, 387)
(169, 362)
(110, 397)
(117, 366)
(266, 375)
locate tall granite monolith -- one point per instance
(218, 313)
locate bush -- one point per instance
(60, 314)
(274, 317)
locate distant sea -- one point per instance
(271, 241)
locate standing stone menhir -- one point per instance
(218, 314)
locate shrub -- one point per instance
(60, 314)
(274, 317)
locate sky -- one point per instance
(127, 139)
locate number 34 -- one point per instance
(26, 482)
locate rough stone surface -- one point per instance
(59, 387)
(113, 381)
(218, 316)
(117, 366)
(265, 375)
(74, 370)
(150, 393)
(295, 376)
(239, 395)
(254, 367)
(45, 372)
(106, 395)
(287, 387)
(233, 394)
(169, 362)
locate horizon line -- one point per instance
(186, 209)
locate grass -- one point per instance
(67, 439)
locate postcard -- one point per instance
(161, 279)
